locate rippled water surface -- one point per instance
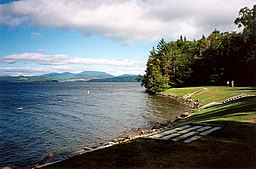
(40, 118)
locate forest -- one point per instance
(211, 60)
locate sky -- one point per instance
(113, 36)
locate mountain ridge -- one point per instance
(85, 76)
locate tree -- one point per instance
(210, 60)
(154, 81)
(247, 20)
(139, 78)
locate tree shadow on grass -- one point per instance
(234, 108)
(248, 88)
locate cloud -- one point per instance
(43, 63)
(127, 20)
(34, 71)
(36, 35)
(24, 71)
(60, 59)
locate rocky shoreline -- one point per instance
(57, 157)
(193, 103)
(157, 127)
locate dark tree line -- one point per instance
(211, 60)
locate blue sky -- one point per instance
(115, 36)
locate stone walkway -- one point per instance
(186, 133)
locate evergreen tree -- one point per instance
(154, 80)
(210, 60)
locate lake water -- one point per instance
(41, 118)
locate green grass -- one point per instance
(182, 91)
(213, 93)
(242, 110)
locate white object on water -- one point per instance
(88, 92)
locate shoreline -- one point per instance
(129, 138)
(157, 127)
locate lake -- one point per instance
(41, 118)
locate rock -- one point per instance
(94, 147)
(185, 114)
(136, 129)
(129, 137)
(120, 139)
(87, 148)
(177, 118)
(48, 157)
(170, 123)
(115, 140)
(104, 143)
(156, 126)
(53, 155)
(144, 132)
(111, 143)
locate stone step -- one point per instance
(204, 128)
(192, 139)
(183, 127)
(170, 136)
(209, 131)
(167, 132)
(163, 133)
(189, 129)
(188, 132)
(184, 136)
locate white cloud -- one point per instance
(127, 20)
(34, 71)
(36, 57)
(35, 35)
(24, 71)
(60, 59)
(62, 63)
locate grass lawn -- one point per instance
(242, 110)
(233, 146)
(213, 93)
(182, 91)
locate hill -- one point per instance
(122, 78)
(58, 77)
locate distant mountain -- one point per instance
(122, 78)
(83, 76)
(126, 75)
(94, 74)
(58, 77)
